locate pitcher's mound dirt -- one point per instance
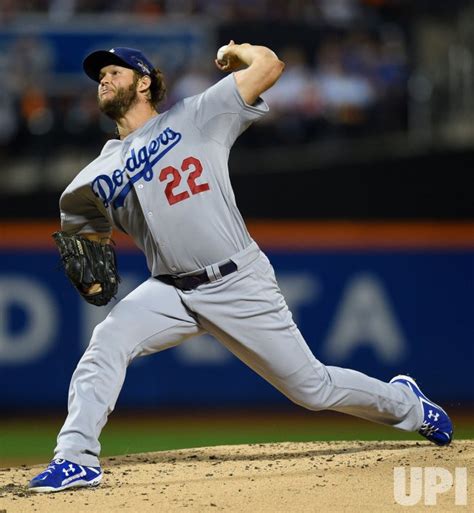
(285, 477)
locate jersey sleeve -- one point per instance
(81, 214)
(222, 114)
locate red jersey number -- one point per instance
(172, 184)
(195, 188)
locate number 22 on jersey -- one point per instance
(191, 165)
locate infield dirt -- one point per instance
(284, 477)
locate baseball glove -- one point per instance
(91, 266)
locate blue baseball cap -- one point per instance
(126, 57)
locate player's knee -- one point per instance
(104, 362)
(107, 342)
(309, 403)
(312, 396)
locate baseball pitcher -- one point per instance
(165, 182)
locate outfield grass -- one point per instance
(32, 440)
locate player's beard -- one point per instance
(124, 99)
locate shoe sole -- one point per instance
(415, 384)
(75, 484)
(404, 377)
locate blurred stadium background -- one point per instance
(357, 184)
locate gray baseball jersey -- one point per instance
(167, 184)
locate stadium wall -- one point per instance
(378, 297)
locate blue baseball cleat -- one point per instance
(63, 474)
(437, 426)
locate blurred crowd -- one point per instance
(352, 83)
(308, 10)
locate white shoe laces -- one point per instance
(427, 429)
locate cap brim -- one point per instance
(94, 62)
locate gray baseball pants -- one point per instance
(246, 312)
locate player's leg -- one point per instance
(248, 314)
(150, 319)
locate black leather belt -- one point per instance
(191, 282)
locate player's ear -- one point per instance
(144, 83)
